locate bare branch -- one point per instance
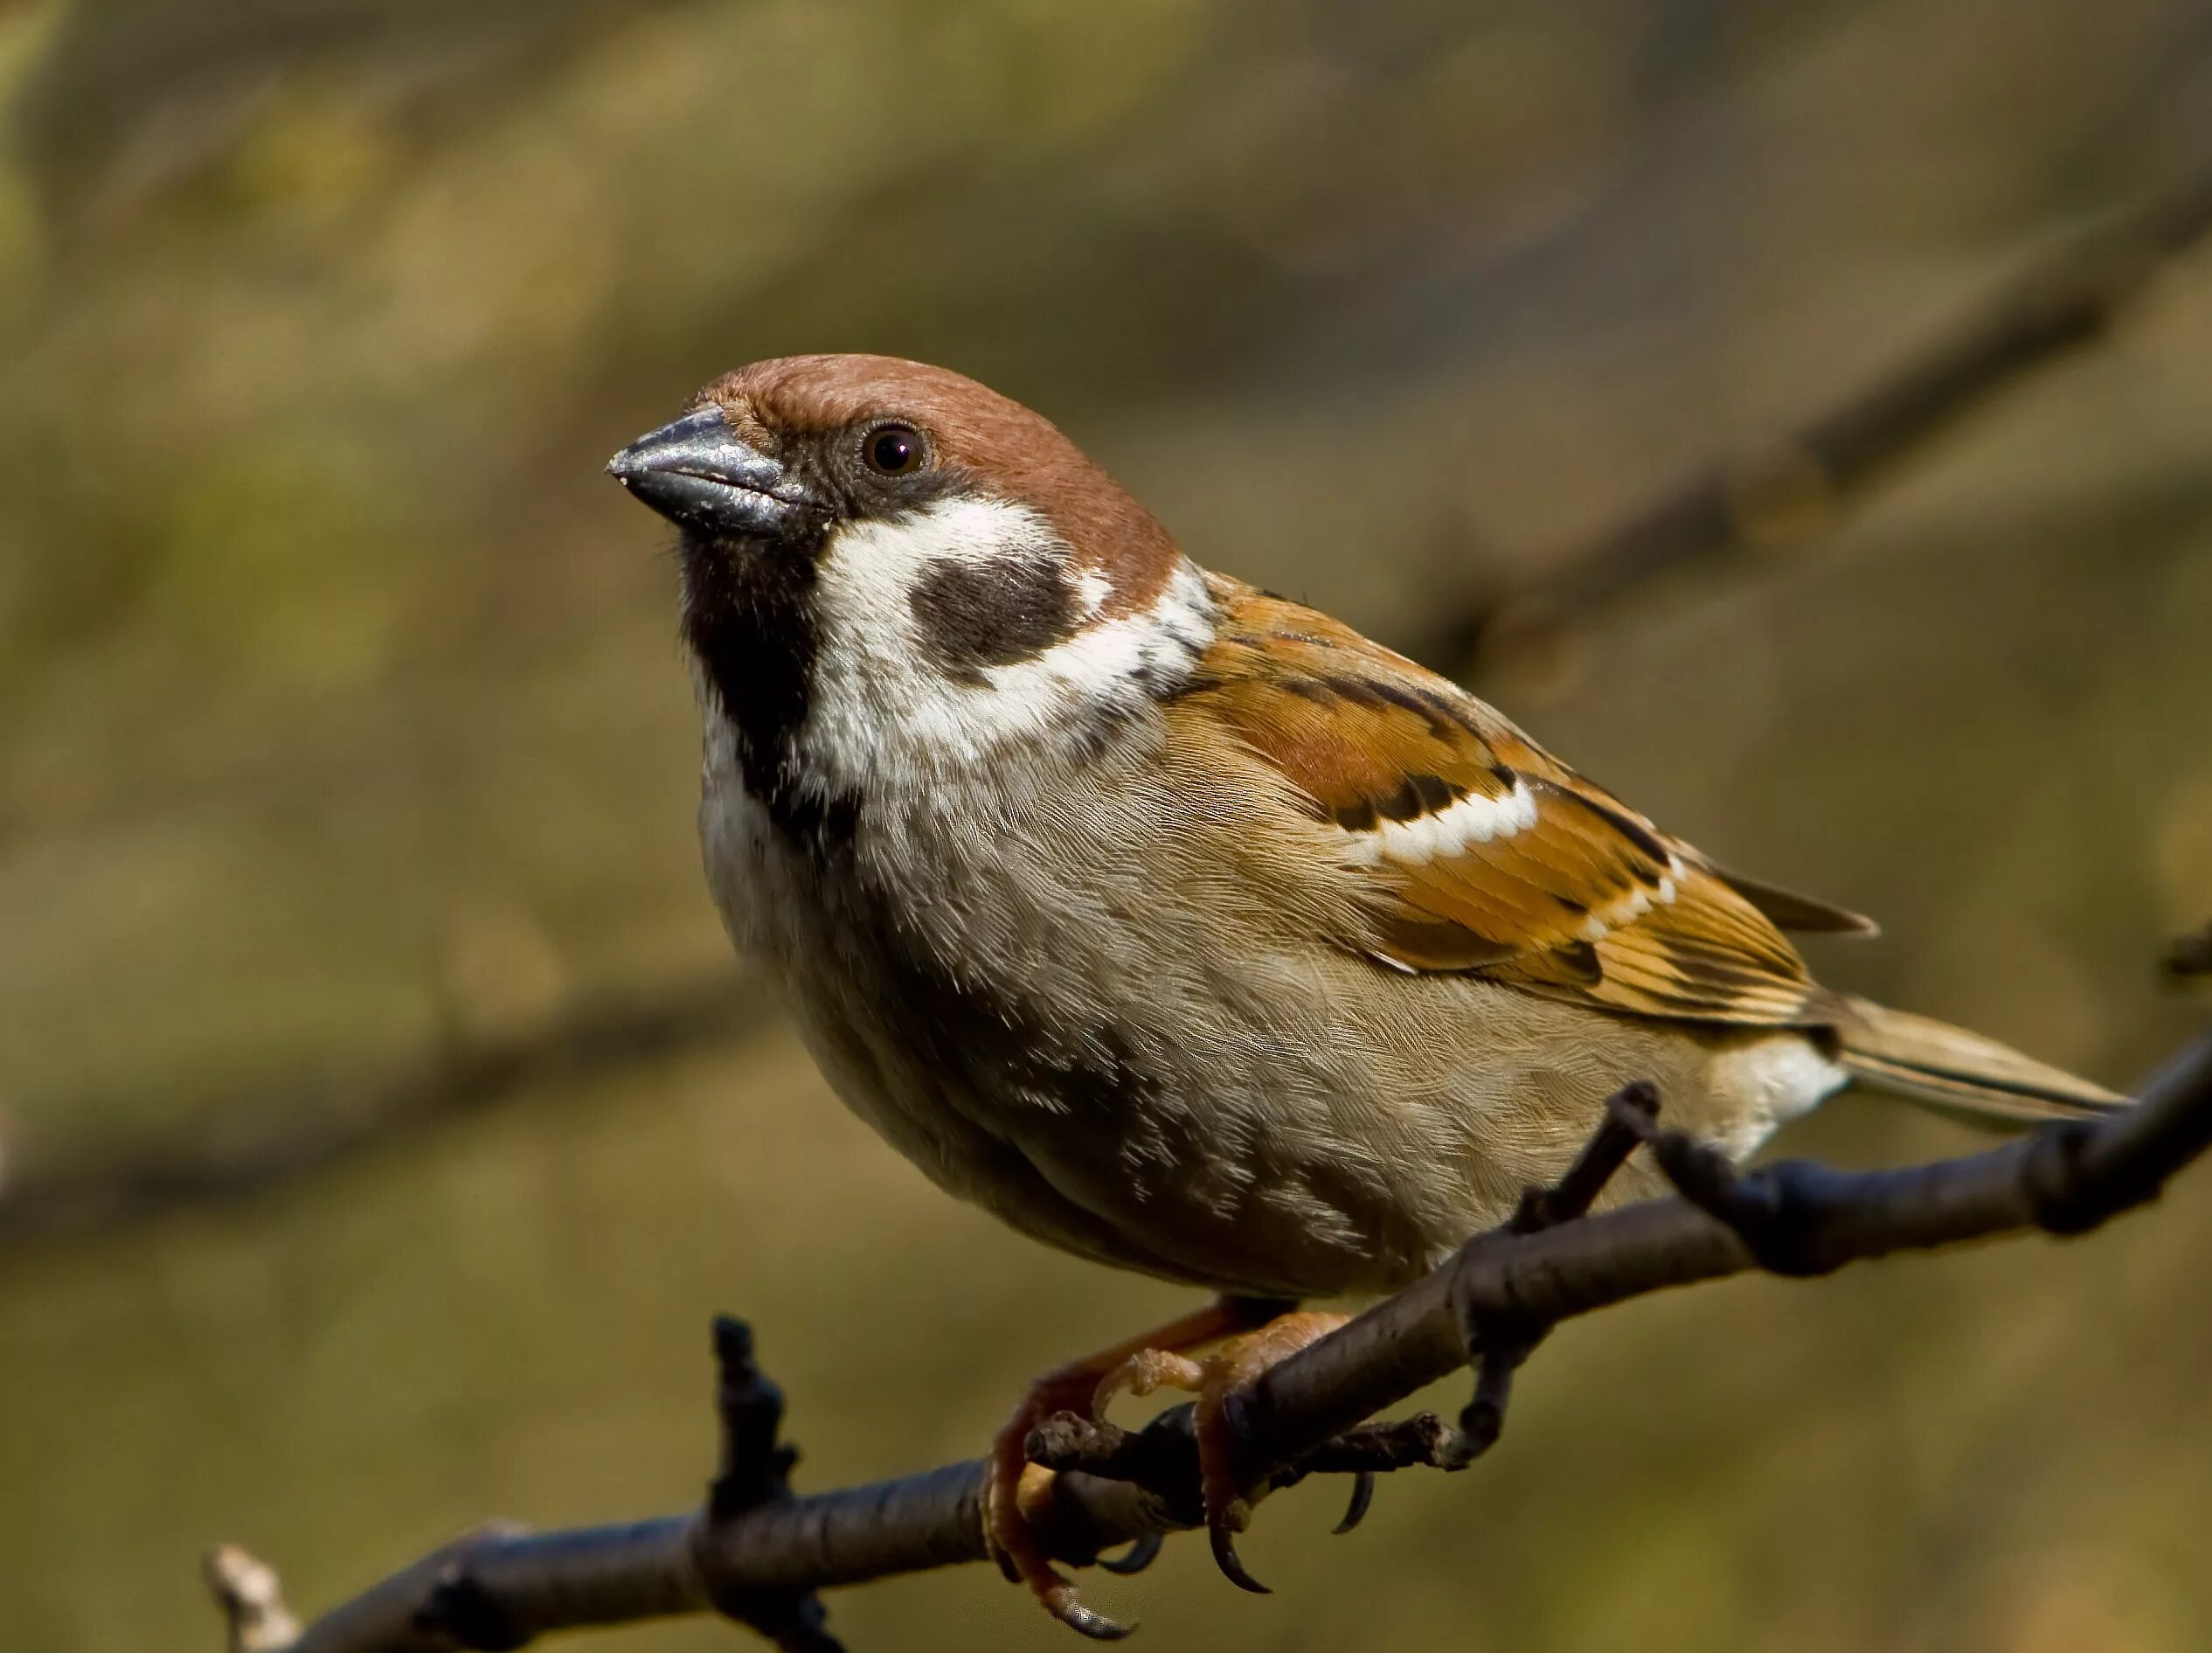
(758, 1546)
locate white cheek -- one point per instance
(883, 709)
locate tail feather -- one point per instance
(1947, 1067)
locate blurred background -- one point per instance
(380, 1119)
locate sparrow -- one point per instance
(1175, 924)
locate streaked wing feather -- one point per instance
(1482, 852)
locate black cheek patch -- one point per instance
(993, 613)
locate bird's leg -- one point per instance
(1217, 1380)
(1017, 1489)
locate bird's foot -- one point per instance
(1220, 1380)
(1017, 1493)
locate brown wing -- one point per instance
(1484, 853)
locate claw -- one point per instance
(1139, 1556)
(1063, 1604)
(1355, 1511)
(1015, 1489)
(1232, 1564)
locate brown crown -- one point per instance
(1011, 452)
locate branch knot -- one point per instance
(2065, 1195)
(1776, 1211)
(462, 1610)
(755, 1470)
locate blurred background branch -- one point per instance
(308, 1125)
(1791, 489)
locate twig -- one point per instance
(1498, 1345)
(756, 1473)
(2062, 1179)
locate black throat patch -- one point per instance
(749, 615)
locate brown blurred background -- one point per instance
(342, 729)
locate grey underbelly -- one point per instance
(1265, 1164)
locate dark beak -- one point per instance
(699, 475)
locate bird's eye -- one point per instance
(894, 450)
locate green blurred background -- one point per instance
(341, 723)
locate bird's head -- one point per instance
(891, 572)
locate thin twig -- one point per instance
(2063, 1179)
(1498, 1345)
(756, 1473)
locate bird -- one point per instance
(1178, 925)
